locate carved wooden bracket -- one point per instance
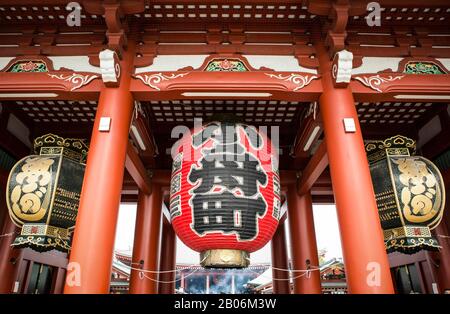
(116, 36)
(341, 69)
(110, 67)
(338, 13)
(114, 12)
(336, 34)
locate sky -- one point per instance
(325, 221)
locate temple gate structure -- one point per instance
(127, 76)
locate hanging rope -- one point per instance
(157, 271)
(306, 272)
(8, 234)
(142, 275)
(151, 271)
(296, 270)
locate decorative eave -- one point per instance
(377, 82)
(224, 57)
(260, 84)
(48, 82)
(400, 86)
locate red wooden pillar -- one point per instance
(8, 230)
(146, 243)
(280, 275)
(93, 241)
(167, 259)
(443, 271)
(366, 261)
(7, 268)
(303, 242)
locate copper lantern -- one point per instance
(43, 192)
(410, 194)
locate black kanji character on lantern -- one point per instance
(227, 213)
(244, 175)
(226, 137)
(226, 164)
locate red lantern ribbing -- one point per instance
(225, 192)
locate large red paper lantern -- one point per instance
(225, 192)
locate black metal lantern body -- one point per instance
(43, 193)
(410, 194)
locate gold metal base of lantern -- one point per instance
(224, 258)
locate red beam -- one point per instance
(323, 199)
(146, 136)
(161, 177)
(252, 81)
(129, 198)
(314, 169)
(136, 169)
(439, 144)
(304, 135)
(287, 177)
(280, 261)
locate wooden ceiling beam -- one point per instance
(309, 132)
(161, 176)
(287, 177)
(33, 3)
(142, 136)
(313, 170)
(136, 169)
(382, 131)
(323, 199)
(440, 143)
(129, 198)
(411, 3)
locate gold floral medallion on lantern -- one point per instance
(410, 194)
(43, 192)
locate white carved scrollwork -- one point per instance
(342, 67)
(375, 81)
(297, 79)
(154, 79)
(110, 67)
(77, 80)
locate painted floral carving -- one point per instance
(28, 66)
(299, 80)
(375, 81)
(153, 80)
(423, 68)
(226, 66)
(77, 80)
